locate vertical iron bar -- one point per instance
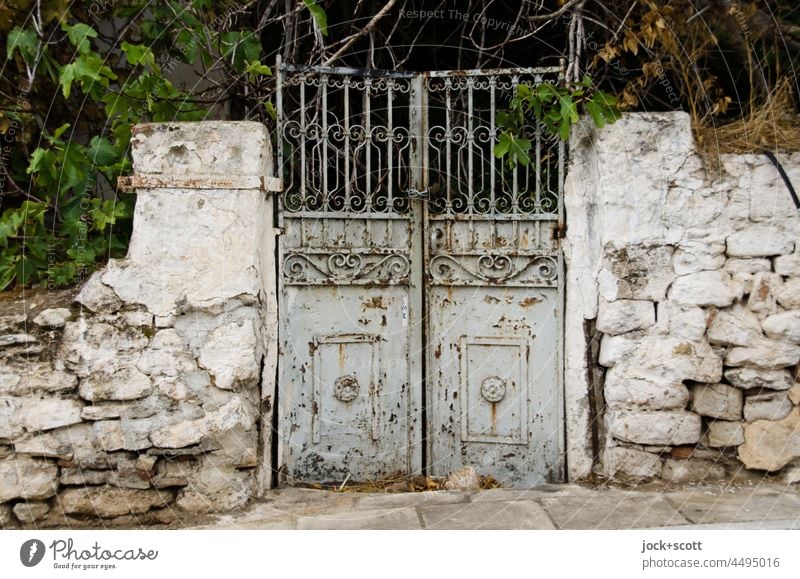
(448, 138)
(348, 156)
(367, 145)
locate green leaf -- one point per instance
(25, 41)
(270, 108)
(255, 68)
(66, 78)
(138, 54)
(319, 15)
(80, 36)
(503, 145)
(518, 151)
(101, 151)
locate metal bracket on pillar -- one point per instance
(261, 183)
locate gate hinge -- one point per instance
(559, 231)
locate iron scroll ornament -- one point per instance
(494, 268)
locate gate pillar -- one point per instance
(202, 260)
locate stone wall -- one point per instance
(140, 396)
(691, 273)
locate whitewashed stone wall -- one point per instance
(141, 396)
(691, 273)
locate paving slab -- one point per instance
(745, 504)
(372, 519)
(394, 500)
(612, 510)
(486, 515)
(549, 491)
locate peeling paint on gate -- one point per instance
(391, 193)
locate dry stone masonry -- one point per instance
(692, 273)
(140, 396)
(147, 392)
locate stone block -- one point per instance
(631, 464)
(723, 434)
(747, 378)
(788, 265)
(717, 401)
(691, 470)
(759, 241)
(108, 501)
(705, 288)
(27, 478)
(762, 299)
(771, 445)
(768, 406)
(765, 354)
(655, 428)
(783, 326)
(621, 316)
(735, 326)
(789, 294)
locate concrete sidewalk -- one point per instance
(546, 507)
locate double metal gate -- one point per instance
(420, 279)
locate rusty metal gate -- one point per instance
(420, 279)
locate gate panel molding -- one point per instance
(399, 223)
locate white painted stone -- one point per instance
(97, 347)
(622, 391)
(691, 470)
(27, 478)
(767, 406)
(123, 434)
(33, 377)
(97, 296)
(683, 322)
(759, 241)
(705, 288)
(167, 355)
(655, 428)
(783, 326)
(765, 353)
(83, 476)
(747, 378)
(33, 414)
(125, 384)
(631, 464)
(31, 511)
(17, 339)
(108, 501)
(735, 326)
(615, 348)
(636, 272)
(766, 285)
(669, 360)
(623, 316)
(229, 354)
(748, 265)
(215, 487)
(463, 479)
(138, 318)
(789, 294)
(232, 414)
(788, 265)
(771, 445)
(695, 256)
(722, 434)
(52, 318)
(44, 445)
(717, 401)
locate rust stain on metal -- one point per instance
(529, 301)
(375, 302)
(491, 299)
(342, 356)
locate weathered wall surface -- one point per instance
(692, 276)
(142, 396)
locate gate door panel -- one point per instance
(417, 271)
(493, 285)
(350, 383)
